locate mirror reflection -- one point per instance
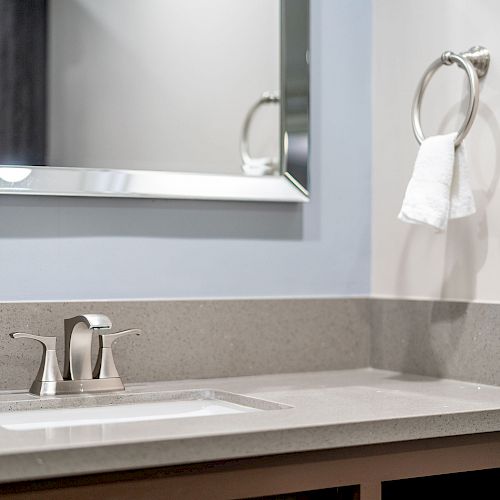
(176, 85)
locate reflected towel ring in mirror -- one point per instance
(475, 62)
(264, 165)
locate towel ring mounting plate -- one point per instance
(475, 62)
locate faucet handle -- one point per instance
(48, 342)
(106, 339)
(105, 365)
(49, 367)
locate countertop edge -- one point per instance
(96, 459)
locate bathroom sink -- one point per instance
(147, 407)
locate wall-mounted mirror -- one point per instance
(201, 99)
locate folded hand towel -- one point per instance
(439, 188)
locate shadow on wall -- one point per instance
(470, 235)
(466, 245)
(51, 217)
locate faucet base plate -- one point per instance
(58, 387)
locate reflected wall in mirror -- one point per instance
(187, 86)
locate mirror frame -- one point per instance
(116, 183)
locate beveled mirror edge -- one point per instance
(294, 35)
(117, 183)
(68, 181)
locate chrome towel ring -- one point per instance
(475, 62)
(267, 165)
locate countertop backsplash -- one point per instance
(201, 338)
(222, 338)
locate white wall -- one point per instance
(411, 261)
(68, 248)
(161, 84)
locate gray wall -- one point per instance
(53, 249)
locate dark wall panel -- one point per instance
(23, 37)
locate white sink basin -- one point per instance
(133, 408)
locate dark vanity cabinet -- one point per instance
(338, 493)
(481, 485)
(450, 467)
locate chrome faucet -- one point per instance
(79, 377)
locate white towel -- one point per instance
(439, 188)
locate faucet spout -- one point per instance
(78, 344)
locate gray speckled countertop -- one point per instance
(330, 410)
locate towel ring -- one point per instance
(475, 62)
(266, 164)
